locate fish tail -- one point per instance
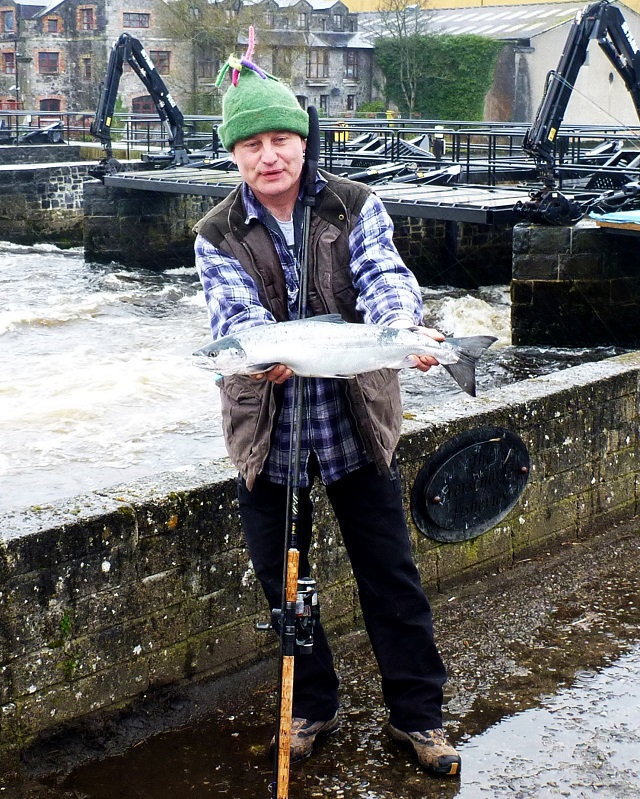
(464, 370)
(472, 345)
(464, 373)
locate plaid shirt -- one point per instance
(387, 293)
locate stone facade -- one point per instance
(42, 202)
(59, 56)
(115, 595)
(316, 48)
(62, 203)
(146, 228)
(13, 155)
(574, 286)
(460, 254)
(54, 56)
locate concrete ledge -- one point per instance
(39, 153)
(110, 596)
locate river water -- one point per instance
(98, 386)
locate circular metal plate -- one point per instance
(469, 484)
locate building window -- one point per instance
(351, 67)
(48, 63)
(303, 20)
(282, 62)
(162, 60)
(318, 63)
(206, 69)
(7, 22)
(9, 63)
(324, 103)
(52, 25)
(351, 102)
(86, 18)
(135, 20)
(142, 105)
(50, 104)
(206, 62)
(269, 19)
(322, 23)
(85, 68)
(338, 22)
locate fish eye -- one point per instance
(214, 353)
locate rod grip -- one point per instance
(284, 732)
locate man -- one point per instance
(247, 251)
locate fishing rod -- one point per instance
(299, 607)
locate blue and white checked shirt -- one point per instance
(387, 293)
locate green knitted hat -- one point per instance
(256, 102)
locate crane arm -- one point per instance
(606, 24)
(128, 49)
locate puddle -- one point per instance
(582, 743)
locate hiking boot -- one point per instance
(435, 753)
(304, 734)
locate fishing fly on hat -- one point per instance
(256, 102)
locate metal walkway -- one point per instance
(461, 203)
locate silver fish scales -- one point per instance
(327, 346)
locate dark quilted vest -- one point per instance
(248, 406)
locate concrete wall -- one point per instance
(141, 228)
(108, 597)
(154, 229)
(574, 286)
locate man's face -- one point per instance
(271, 164)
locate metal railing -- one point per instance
(487, 152)
(73, 126)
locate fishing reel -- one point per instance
(307, 613)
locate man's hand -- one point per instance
(277, 374)
(424, 362)
(421, 362)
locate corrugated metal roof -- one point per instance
(498, 22)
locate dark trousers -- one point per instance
(397, 616)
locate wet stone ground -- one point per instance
(542, 701)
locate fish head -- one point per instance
(224, 356)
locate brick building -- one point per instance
(53, 56)
(316, 47)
